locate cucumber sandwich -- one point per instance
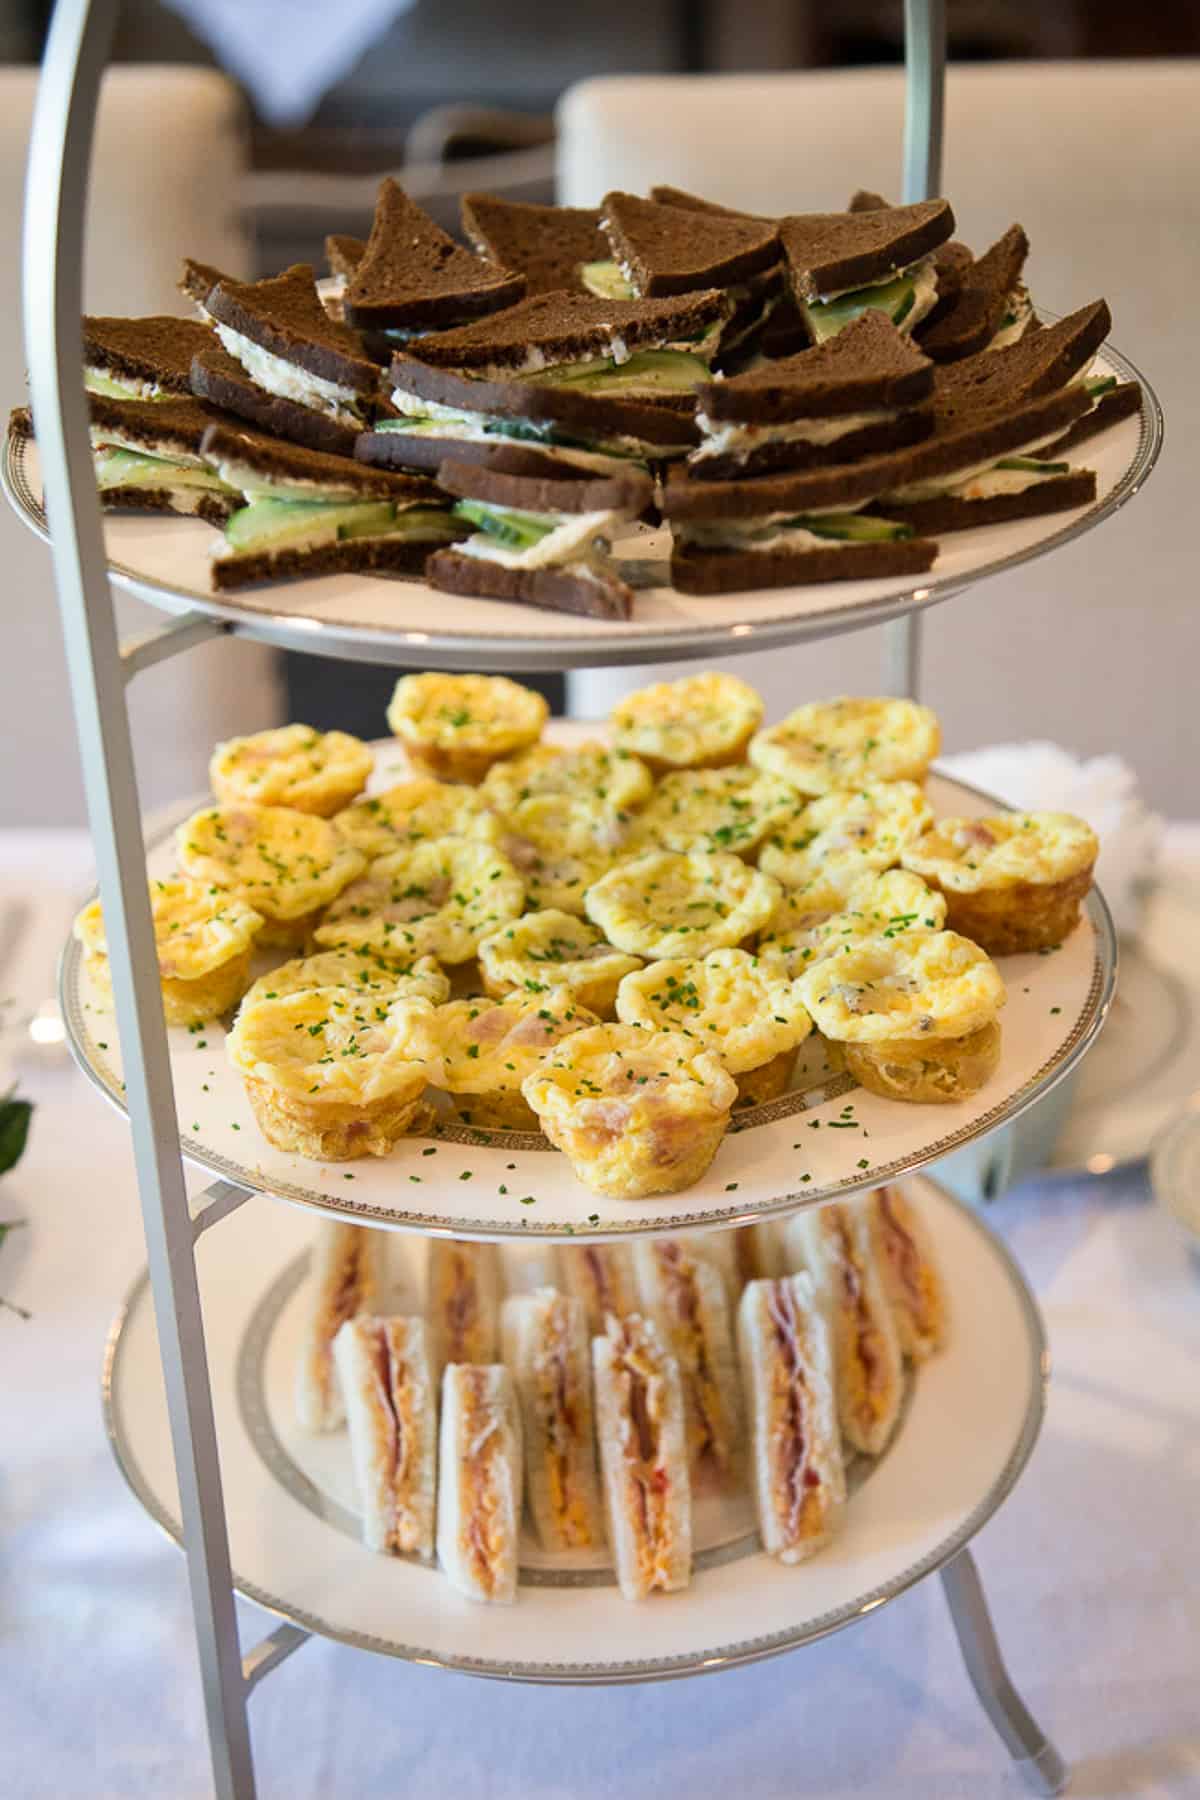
(553, 247)
(577, 383)
(141, 359)
(306, 512)
(840, 264)
(540, 540)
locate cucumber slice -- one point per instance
(646, 372)
(514, 529)
(1100, 384)
(852, 528)
(825, 318)
(117, 468)
(276, 523)
(605, 280)
(95, 383)
(1031, 465)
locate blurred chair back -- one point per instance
(1098, 645)
(168, 164)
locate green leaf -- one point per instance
(14, 1130)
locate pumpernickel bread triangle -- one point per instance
(630, 492)
(218, 377)
(868, 365)
(830, 253)
(412, 276)
(673, 196)
(155, 352)
(545, 244)
(349, 556)
(284, 316)
(973, 317)
(198, 279)
(695, 570)
(563, 327)
(173, 427)
(1122, 402)
(670, 250)
(594, 593)
(1040, 362)
(252, 458)
(344, 253)
(949, 512)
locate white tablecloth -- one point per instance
(1090, 1565)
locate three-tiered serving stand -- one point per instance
(206, 1446)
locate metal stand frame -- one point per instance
(99, 668)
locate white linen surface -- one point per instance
(1090, 1565)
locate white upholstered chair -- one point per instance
(1097, 646)
(169, 158)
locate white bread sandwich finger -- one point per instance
(479, 1481)
(834, 1244)
(643, 1458)
(348, 1272)
(912, 1277)
(601, 1275)
(796, 1467)
(685, 1296)
(391, 1410)
(462, 1302)
(545, 1344)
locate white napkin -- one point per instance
(1101, 789)
(289, 56)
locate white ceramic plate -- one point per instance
(823, 1139)
(165, 560)
(972, 1419)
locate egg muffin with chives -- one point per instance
(427, 899)
(745, 1009)
(714, 809)
(327, 1072)
(313, 771)
(1012, 881)
(701, 722)
(676, 903)
(480, 1051)
(613, 779)
(455, 727)
(203, 937)
(364, 971)
(635, 1112)
(803, 928)
(843, 836)
(414, 812)
(832, 744)
(287, 865)
(911, 1017)
(560, 845)
(544, 950)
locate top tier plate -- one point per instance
(395, 620)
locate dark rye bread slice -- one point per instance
(1040, 362)
(343, 253)
(668, 250)
(701, 571)
(596, 594)
(952, 260)
(545, 244)
(565, 327)
(216, 376)
(955, 443)
(830, 252)
(1055, 493)
(629, 492)
(894, 433)
(260, 458)
(284, 315)
(401, 450)
(972, 318)
(349, 556)
(588, 415)
(198, 279)
(673, 196)
(174, 427)
(1121, 402)
(158, 349)
(214, 509)
(413, 276)
(868, 366)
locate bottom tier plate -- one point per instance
(971, 1420)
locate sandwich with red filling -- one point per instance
(601, 1276)
(462, 1302)
(348, 1275)
(643, 1458)
(911, 1276)
(391, 1410)
(545, 1342)
(479, 1482)
(685, 1296)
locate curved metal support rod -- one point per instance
(270, 1651)
(924, 106)
(1042, 1768)
(59, 159)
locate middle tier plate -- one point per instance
(824, 1139)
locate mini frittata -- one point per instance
(914, 1017)
(414, 812)
(204, 938)
(836, 840)
(802, 930)
(549, 949)
(1012, 881)
(612, 779)
(745, 1009)
(714, 809)
(635, 1112)
(481, 1050)
(456, 726)
(287, 865)
(560, 844)
(314, 771)
(700, 722)
(832, 744)
(327, 1072)
(364, 971)
(434, 899)
(671, 903)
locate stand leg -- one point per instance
(59, 156)
(1042, 1768)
